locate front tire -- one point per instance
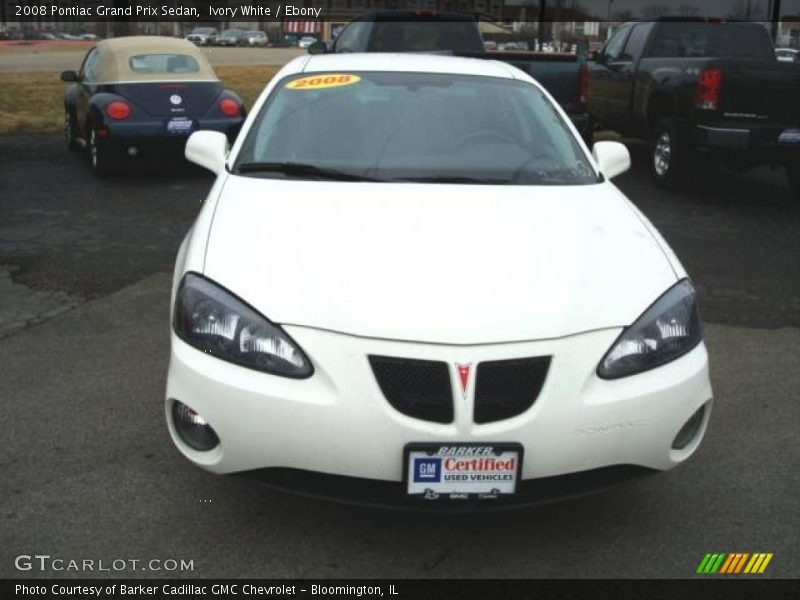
(671, 155)
(99, 160)
(69, 129)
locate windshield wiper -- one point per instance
(301, 170)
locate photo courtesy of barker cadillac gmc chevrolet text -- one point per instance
(389, 301)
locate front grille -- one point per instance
(507, 388)
(417, 388)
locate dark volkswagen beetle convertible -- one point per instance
(142, 96)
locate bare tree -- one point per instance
(623, 16)
(654, 11)
(746, 10)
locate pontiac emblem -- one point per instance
(463, 371)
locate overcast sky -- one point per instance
(707, 8)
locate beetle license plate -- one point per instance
(462, 471)
(180, 126)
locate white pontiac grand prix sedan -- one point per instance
(412, 285)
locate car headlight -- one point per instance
(213, 320)
(668, 329)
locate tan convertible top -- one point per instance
(115, 54)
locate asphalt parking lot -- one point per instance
(89, 470)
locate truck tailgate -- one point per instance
(764, 89)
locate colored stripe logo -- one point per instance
(734, 563)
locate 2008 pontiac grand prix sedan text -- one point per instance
(412, 283)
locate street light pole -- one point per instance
(774, 18)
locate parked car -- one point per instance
(289, 40)
(257, 38)
(565, 76)
(232, 37)
(511, 46)
(477, 344)
(141, 96)
(306, 41)
(90, 37)
(791, 55)
(203, 36)
(690, 85)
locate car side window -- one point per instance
(348, 38)
(613, 50)
(89, 68)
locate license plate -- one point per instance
(462, 471)
(789, 136)
(180, 126)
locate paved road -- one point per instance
(89, 471)
(33, 58)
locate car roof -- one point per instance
(403, 62)
(114, 64)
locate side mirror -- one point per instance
(69, 76)
(613, 158)
(318, 47)
(594, 55)
(209, 149)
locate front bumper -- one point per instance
(338, 422)
(391, 494)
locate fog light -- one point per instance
(133, 151)
(192, 428)
(689, 430)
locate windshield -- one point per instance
(413, 127)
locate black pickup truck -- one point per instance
(699, 86)
(565, 76)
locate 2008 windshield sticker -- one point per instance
(318, 82)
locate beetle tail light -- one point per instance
(230, 107)
(118, 110)
(709, 86)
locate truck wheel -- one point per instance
(99, 160)
(670, 158)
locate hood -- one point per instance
(450, 264)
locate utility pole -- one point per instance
(774, 18)
(542, 14)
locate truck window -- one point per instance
(636, 42)
(710, 40)
(613, 50)
(425, 36)
(348, 39)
